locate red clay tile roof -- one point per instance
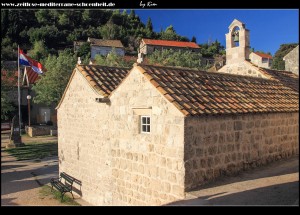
(287, 78)
(263, 55)
(171, 43)
(196, 92)
(102, 78)
(108, 43)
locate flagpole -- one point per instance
(19, 91)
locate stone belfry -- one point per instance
(238, 51)
(237, 43)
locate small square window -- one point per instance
(145, 124)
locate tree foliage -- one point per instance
(49, 89)
(39, 51)
(278, 62)
(84, 50)
(112, 59)
(212, 50)
(58, 29)
(176, 58)
(7, 106)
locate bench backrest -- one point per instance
(68, 178)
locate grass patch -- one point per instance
(46, 191)
(34, 151)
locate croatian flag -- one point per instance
(27, 61)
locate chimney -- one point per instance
(79, 60)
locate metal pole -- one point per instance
(19, 91)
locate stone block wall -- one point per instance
(224, 145)
(242, 68)
(102, 146)
(83, 142)
(257, 60)
(147, 169)
(34, 131)
(292, 61)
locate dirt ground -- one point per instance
(21, 181)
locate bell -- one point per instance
(236, 38)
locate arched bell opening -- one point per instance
(235, 37)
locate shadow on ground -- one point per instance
(287, 195)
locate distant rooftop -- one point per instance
(171, 43)
(108, 43)
(263, 55)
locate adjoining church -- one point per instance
(147, 135)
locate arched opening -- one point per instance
(235, 37)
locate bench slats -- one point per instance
(63, 187)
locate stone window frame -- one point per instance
(145, 127)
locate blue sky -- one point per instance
(268, 28)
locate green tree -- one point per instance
(49, 89)
(124, 13)
(194, 39)
(169, 34)
(212, 50)
(278, 62)
(112, 59)
(63, 19)
(176, 58)
(84, 50)
(149, 24)
(110, 31)
(132, 14)
(39, 50)
(86, 16)
(7, 106)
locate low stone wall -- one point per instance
(225, 145)
(33, 131)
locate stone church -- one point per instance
(147, 135)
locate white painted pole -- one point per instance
(19, 91)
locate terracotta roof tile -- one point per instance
(263, 55)
(103, 79)
(171, 43)
(196, 92)
(287, 78)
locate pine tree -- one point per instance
(194, 39)
(149, 24)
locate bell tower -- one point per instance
(237, 43)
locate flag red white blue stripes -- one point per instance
(27, 61)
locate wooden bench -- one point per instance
(63, 187)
